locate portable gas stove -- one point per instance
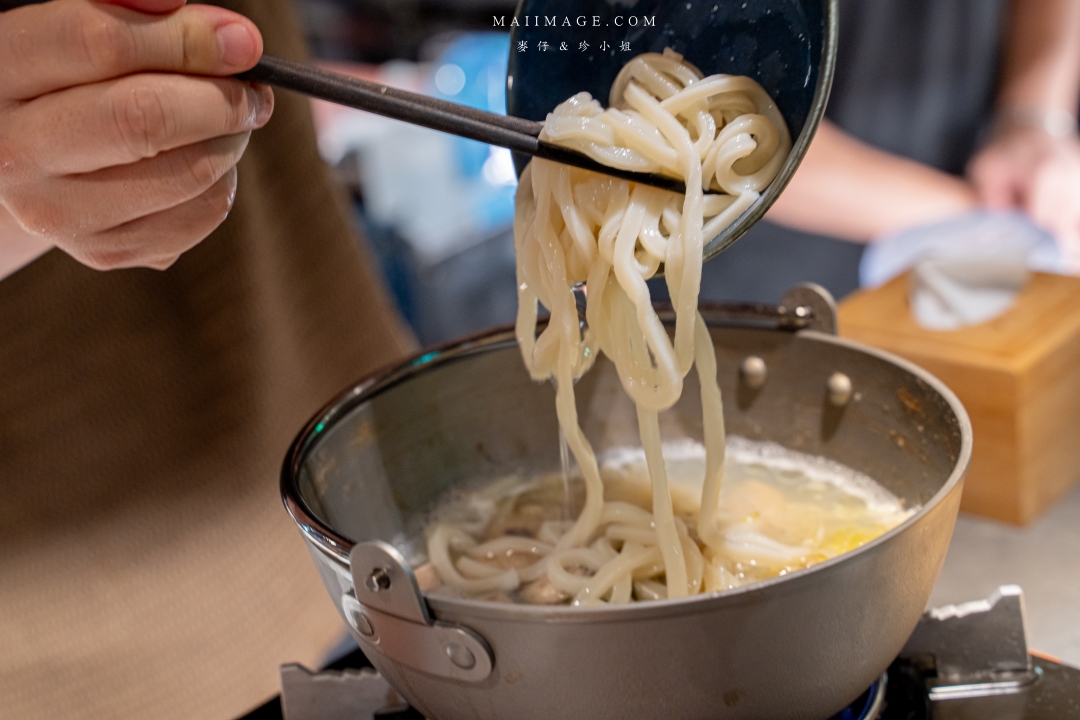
(963, 662)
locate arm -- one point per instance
(1042, 57)
(1032, 161)
(119, 130)
(848, 189)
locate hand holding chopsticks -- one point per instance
(510, 132)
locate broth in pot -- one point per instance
(779, 511)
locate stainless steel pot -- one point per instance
(801, 646)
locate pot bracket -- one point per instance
(977, 649)
(336, 694)
(389, 616)
(813, 303)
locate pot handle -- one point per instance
(806, 306)
(815, 299)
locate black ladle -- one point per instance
(789, 46)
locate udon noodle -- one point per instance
(572, 228)
(779, 511)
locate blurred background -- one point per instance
(436, 209)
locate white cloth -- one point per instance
(965, 271)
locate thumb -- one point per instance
(152, 7)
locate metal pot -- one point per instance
(801, 646)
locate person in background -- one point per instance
(939, 108)
(147, 568)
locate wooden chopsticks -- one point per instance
(502, 130)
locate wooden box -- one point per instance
(1018, 376)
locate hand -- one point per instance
(119, 132)
(1026, 168)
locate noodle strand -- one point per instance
(720, 133)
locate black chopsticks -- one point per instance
(502, 130)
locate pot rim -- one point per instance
(337, 547)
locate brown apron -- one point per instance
(147, 567)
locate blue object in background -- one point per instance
(438, 209)
(471, 71)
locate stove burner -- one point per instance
(868, 705)
(962, 662)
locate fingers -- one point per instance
(119, 135)
(129, 119)
(1053, 201)
(60, 44)
(83, 205)
(1031, 171)
(1046, 199)
(157, 240)
(994, 182)
(147, 6)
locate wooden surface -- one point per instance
(1018, 376)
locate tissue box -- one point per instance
(1018, 375)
